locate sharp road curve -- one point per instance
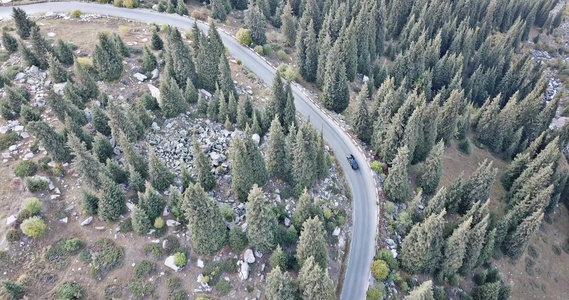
(361, 183)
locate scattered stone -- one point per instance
(140, 77)
(87, 221)
(154, 73)
(155, 92)
(287, 222)
(24, 135)
(28, 156)
(256, 138)
(244, 271)
(336, 231)
(172, 223)
(11, 220)
(64, 220)
(169, 262)
(165, 244)
(258, 254)
(100, 227)
(200, 263)
(18, 128)
(51, 34)
(20, 76)
(58, 87)
(248, 256)
(4, 129)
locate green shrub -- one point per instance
(72, 245)
(70, 291)
(223, 287)
(36, 184)
(379, 269)
(76, 14)
(387, 257)
(243, 36)
(34, 227)
(106, 257)
(180, 259)
(33, 205)
(237, 239)
(13, 289)
(154, 249)
(24, 214)
(85, 256)
(439, 293)
(85, 62)
(13, 236)
(25, 169)
(281, 54)
(556, 249)
(118, 3)
(288, 72)
(180, 295)
(259, 49)
(377, 166)
(140, 289)
(8, 140)
(130, 3)
(227, 212)
(159, 223)
(267, 50)
(144, 268)
(464, 146)
(219, 267)
(126, 225)
(373, 294)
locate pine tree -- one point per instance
(71, 94)
(518, 241)
(422, 292)
(172, 101)
(84, 85)
(161, 176)
(222, 109)
(255, 22)
(276, 152)
(40, 48)
(488, 249)
(206, 179)
(112, 200)
(432, 169)
(303, 168)
(157, 43)
(225, 81)
(304, 210)
(242, 115)
(396, 185)
(261, 221)
(51, 140)
(24, 25)
(181, 8)
(448, 116)
(219, 10)
(181, 59)
(119, 123)
(277, 102)
(455, 248)
(213, 105)
(14, 290)
(474, 245)
(29, 114)
(84, 163)
(314, 282)
(478, 186)
(56, 70)
(321, 164)
(122, 49)
(437, 203)
(133, 159)
(148, 60)
(63, 52)
(140, 220)
(106, 59)
(515, 169)
(9, 42)
(289, 117)
(207, 63)
(278, 259)
(187, 177)
(488, 124)
(350, 51)
(288, 27)
(336, 95)
(248, 166)
(421, 248)
(89, 202)
(102, 148)
(361, 122)
(312, 243)
(15, 99)
(413, 129)
(135, 180)
(151, 201)
(324, 47)
(115, 171)
(280, 285)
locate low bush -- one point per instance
(379, 269)
(556, 249)
(85, 256)
(259, 49)
(70, 291)
(76, 14)
(223, 287)
(25, 169)
(85, 62)
(281, 54)
(36, 184)
(34, 227)
(464, 146)
(72, 245)
(159, 223)
(227, 212)
(130, 3)
(13, 236)
(243, 36)
(8, 140)
(374, 294)
(33, 205)
(267, 50)
(154, 249)
(180, 259)
(144, 268)
(106, 256)
(118, 3)
(140, 289)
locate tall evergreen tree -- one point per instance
(151, 201)
(225, 81)
(432, 170)
(478, 186)
(277, 102)
(232, 108)
(280, 285)
(312, 243)
(421, 248)
(218, 9)
(162, 178)
(455, 248)
(106, 59)
(148, 60)
(304, 210)
(84, 163)
(276, 152)
(63, 52)
(156, 42)
(172, 101)
(133, 159)
(474, 245)
(84, 84)
(314, 282)
(261, 221)
(56, 70)
(448, 116)
(9, 42)
(255, 22)
(289, 117)
(89, 202)
(288, 27)
(437, 203)
(119, 123)
(122, 49)
(181, 59)
(112, 200)
(51, 140)
(518, 241)
(140, 221)
(321, 164)
(336, 95)
(303, 168)
(422, 292)
(24, 25)
(203, 167)
(102, 148)
(182, 8)
(205, 223)
(396, 185)
(361, 122)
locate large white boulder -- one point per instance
(248, 256)
(169, 262)
(244, 271)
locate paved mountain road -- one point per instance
(361, 183)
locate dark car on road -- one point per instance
(353, 162)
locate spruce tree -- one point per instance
(312, 243)
(518, 241)
(106, 59)
(15, 99)
(111, 199)
(422, 292)
(161, 176)
(255, 22)
(474, 245)
(349, 49)
(9, 42)
(56, 70)
(261, 221)
(303, 167)
(183, 66)
(85, 86)
(304, 210)
(237, 239)
(314, 282)
(102, 148)
(421, 248)
(448, 116)
(242, 116)
(455, 248)
(63, 52)
(437, 203)
(29, 114)
(23, 24)
(84, 163)
(225, 81)
(219, 10)
(71, 94)
(187, 177)
(361, 122)
(181, 8)
(277, 102)
(172, 101)
(122, 49)
(191, 93)
(432, 169)
(276, 152)
(119, 123)
(89, 203)
(321, 164)
(288, 27)
(213, 105)
(148, 60)
(133, 159)
(278, 259)
(222, 109)
(115, 171)
(248, 166)
(207, 59)
(151, 201)
(289, 117)
(396, 185)
(488, 249)
(206, 179)
(14, 290)
(335, 93)
(478, 186)
(280, 285)
(51, 140)
(141, 223)
(515, 169)
(40, 48)
(157, 43)
(135, 180)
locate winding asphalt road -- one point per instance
(360, 181)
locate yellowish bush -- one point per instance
(123, 30)
(85, 62)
